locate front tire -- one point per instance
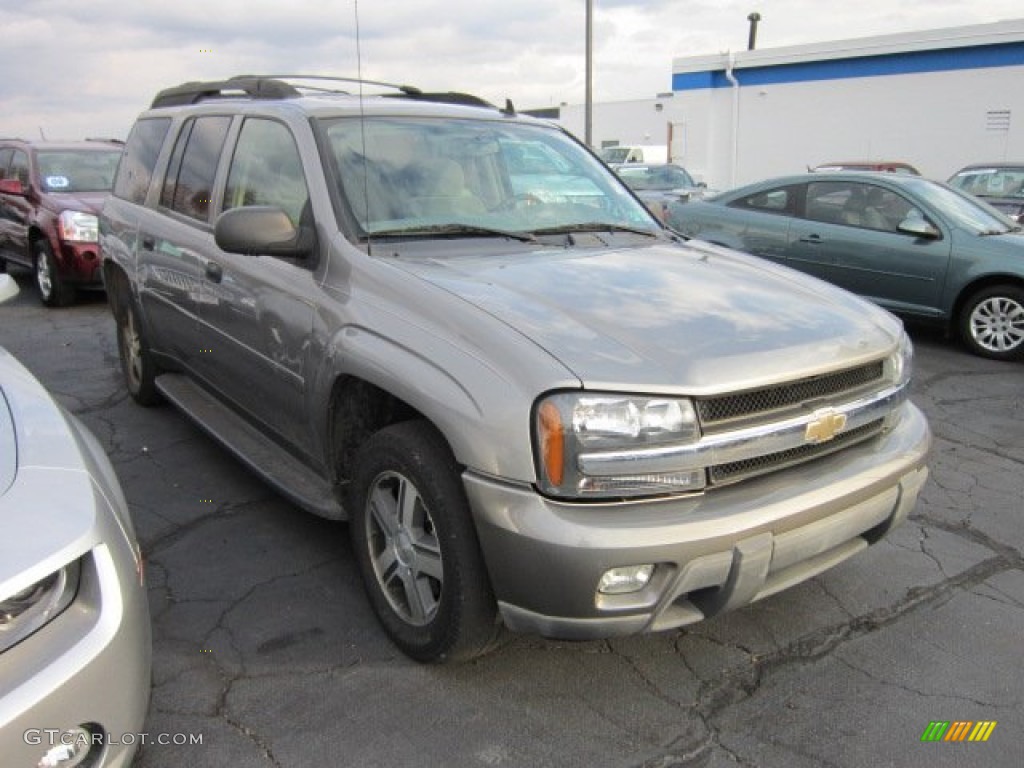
(136, 360)
(992, 323)
(416, 546)
(53, 291)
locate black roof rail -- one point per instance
(246, 85)
(105, 139)
(277, 87)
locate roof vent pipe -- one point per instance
(752, 38)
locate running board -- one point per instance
(289, 476)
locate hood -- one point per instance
(47, 510)
(669, 317)
(89, 202)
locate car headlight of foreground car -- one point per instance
(901, 362)
(572, 427)
(23, 613)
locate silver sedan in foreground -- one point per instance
(74, 622)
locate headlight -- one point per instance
(79, 227)
(570, 428)
(23, 613)
(901, 362)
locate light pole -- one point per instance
(588, 104)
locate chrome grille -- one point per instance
(715, 411)
(741, 470)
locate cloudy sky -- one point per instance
(72, 68)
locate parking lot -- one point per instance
(266, 649)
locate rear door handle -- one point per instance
(812, 239)
(214, 271)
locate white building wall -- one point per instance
(930, 98)
(937, 121)
(623, 122)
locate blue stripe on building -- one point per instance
(911, 62)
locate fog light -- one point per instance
(73, 747)
(629, 578)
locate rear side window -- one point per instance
(189, 182)
(136, 169)
(781, 201)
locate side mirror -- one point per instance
(702, 185)
(260, 230)
(12, 187)
(917, 226)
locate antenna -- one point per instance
(41, 134)
(362, 130)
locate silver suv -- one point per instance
(454, 327)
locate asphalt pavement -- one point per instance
(266, 649)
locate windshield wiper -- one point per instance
(454, 229)
(595, 226)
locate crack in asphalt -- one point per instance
(888, 683)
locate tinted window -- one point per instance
(5, 160)
(189, 182)
(77, 171)
(266, 170)
(140, 154)
(781, 200)
(856, 205)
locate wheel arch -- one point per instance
(356, 410)
(971, 288)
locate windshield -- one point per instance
(404, 176)
(78, 171)
(991, 182)
(615, 154)
(662, 178)
(961, 209)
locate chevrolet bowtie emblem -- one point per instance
(827, 423)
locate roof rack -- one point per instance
(276, 87)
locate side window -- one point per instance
(140, 154)
(827, 201)
(5, 160)
(781, 201)
(266, 170)
(19, 167)
(188, 185)
(866, 206)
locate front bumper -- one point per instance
(713, 552)
(79, 263)
(88, 667)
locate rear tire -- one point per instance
(416, 546)
(136, 360)
(992, 322)
(53, 291)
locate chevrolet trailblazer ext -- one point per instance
(452, 326)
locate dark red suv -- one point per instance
(50, 194)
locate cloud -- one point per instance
(79, 68)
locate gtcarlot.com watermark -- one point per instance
(53, 737)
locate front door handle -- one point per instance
(214, 271)
(812, 239)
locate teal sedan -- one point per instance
(919, 248)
